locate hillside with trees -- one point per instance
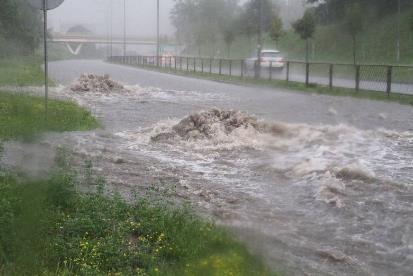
(351, 31)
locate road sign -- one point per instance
(39, 4)
(45, 5)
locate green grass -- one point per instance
(23, 116)
(23, 71)
(47, 228)
(295, 86)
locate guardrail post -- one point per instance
(230, 67)
(330, 76)
(220, 67)
(288, 71)
(389, 79)
(357, 78)
(270, 71)
(307, 73)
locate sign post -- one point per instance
(45, 5)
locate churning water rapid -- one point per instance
(312, 199)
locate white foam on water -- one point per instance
(230, 143)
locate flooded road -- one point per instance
(317, 185)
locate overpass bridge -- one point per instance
(80, 39)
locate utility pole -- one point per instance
(124, 28)
(398, 30)
(157, 33)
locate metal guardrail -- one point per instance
(371, 77)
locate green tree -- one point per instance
(411, 22)
(276, 31)
(229, 37)
(353, 23)
(20, 28)
(305, 28)
(250, 21)
(200, 21)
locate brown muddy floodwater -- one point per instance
(317, 185)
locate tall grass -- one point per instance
(46, 227)
(23, 116)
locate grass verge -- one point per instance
(23, 71)
(23, 116)
(47, 228)
(291, 85)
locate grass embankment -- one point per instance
(21, 71)
(23, 116)
(312, 88)
(48, 228)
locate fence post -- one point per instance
(307, 73)
(270, 71)
(288, 71)
(220, 66)
(194, 64)
(187, 63)
(175, 63)
(202, 65)
(330, 76)
(357, 78)
(230, 67)
(389, 79)
(210, 65)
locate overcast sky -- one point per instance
(95, 14)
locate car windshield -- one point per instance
(270, 54)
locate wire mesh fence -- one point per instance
(373, 77)
(383, 78)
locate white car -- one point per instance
(268, 58)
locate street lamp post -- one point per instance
(124, 28)
(259, 40)
(157, 33)
(111, 28)
(398, 31)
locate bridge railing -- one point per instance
(369, 77)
